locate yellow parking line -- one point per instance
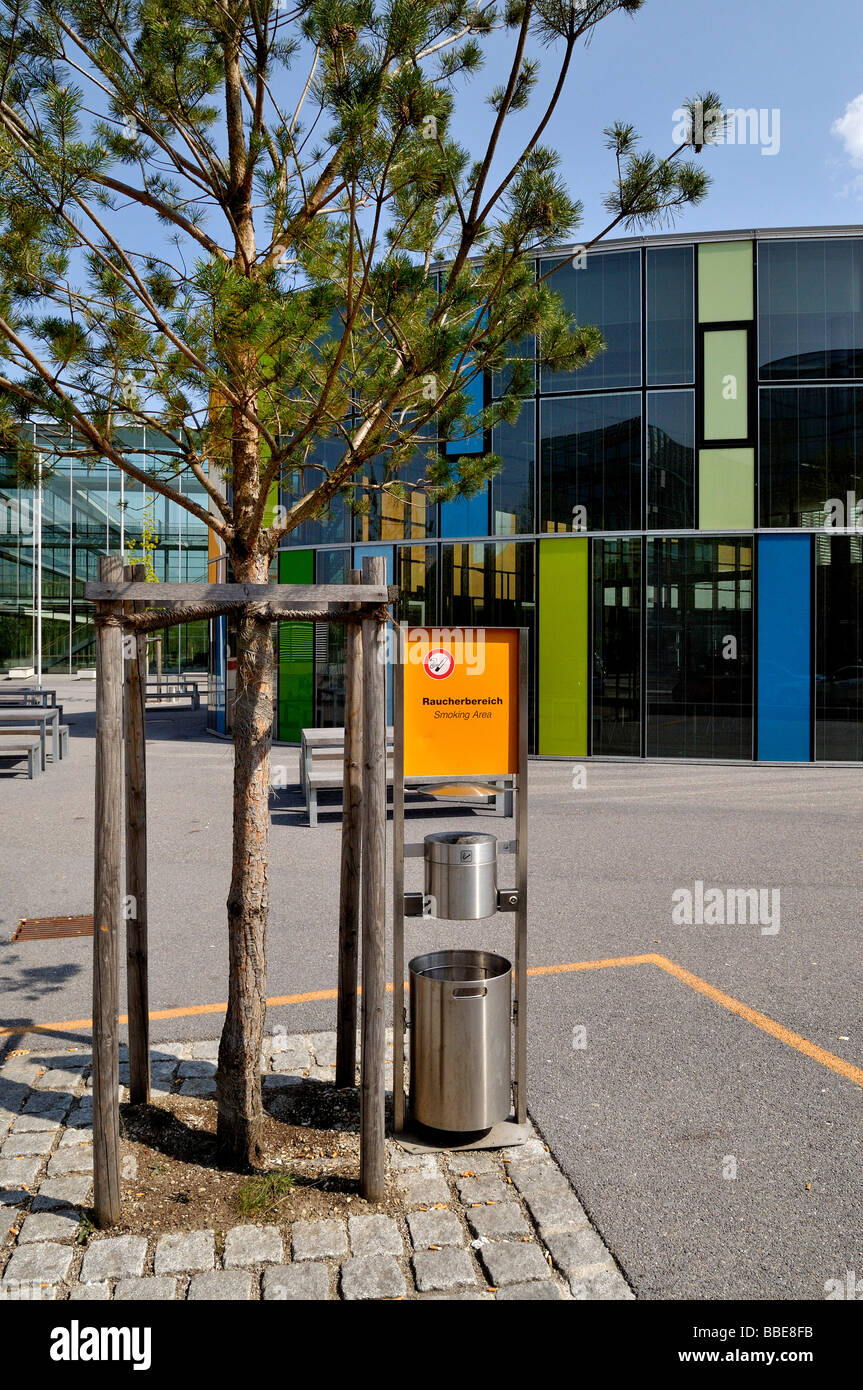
(759, 1020)
(718, 996)
(593, 964)
(184, 1011)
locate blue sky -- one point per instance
(761, 54)
(783, 54)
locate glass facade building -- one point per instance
(89, 508)
(676, 523)
(679, 524)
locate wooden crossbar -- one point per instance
(313, 596)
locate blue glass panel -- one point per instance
(605, 292)
(670, 321)
(366, 552)
(512, 490)
(465, 517)
(810, 297)
(590, 457)
(811, 452)
(671, 460)
(472, 443)
(784, 661)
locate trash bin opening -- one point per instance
(460, 966)
(460, 837)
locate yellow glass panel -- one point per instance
(726, 489)
(726, 384)
(725, 289)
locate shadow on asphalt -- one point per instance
(36, 982)
(163, 724)
(288, 807)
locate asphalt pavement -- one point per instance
(717, 1151)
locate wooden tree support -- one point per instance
(349, 891)
(134, 693)
(107, 905)
(274, 596)
(373, 1091)
(120, 600)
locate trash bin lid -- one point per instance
(460, 847)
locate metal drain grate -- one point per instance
(47, 928)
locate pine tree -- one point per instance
(232, 221)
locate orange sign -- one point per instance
(460, 701)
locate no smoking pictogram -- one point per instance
(439, 664)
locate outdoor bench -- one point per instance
(31, 748)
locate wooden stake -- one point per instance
(349, 895)
(374, 810)
(399, 1098)
(107, 905)
(137, 992)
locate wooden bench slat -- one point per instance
(334, 779)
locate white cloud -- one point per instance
(854, 189)
(849, 129)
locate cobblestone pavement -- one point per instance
(512, 1229)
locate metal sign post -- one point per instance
(461, 712)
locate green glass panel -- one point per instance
(726, 385)
(725, 291)
(296, 654)
(563, 652)
(726, 489)
(271, 504)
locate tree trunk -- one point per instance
(238, 1082)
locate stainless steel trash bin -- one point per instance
(461, 875)
(460, 1045)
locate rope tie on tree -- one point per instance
(103, 619)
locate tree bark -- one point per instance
(238, 1081)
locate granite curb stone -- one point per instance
(372, 1276)
(441, 1270)
(185, 1252)
(306, 1281)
